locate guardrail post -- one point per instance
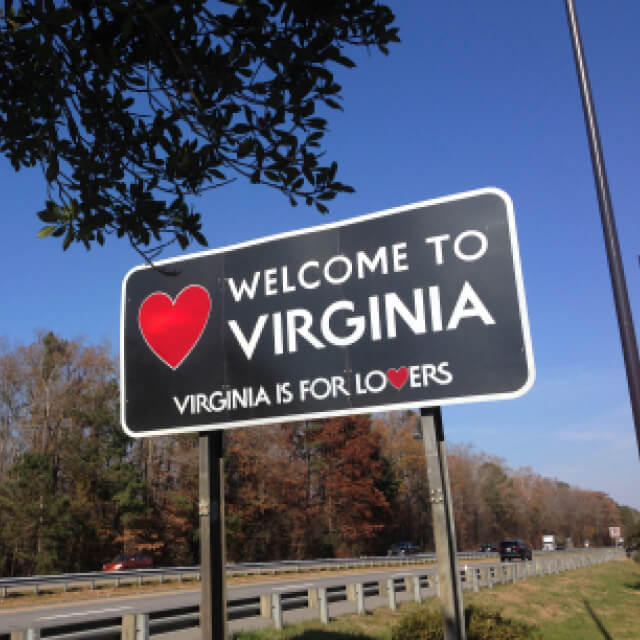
(489, 578)
(351, 592)
(265, 605)
(436, 582)
(360, 599)
(27, 634)
(135, 626)
(323, 601)
(382, 588)
(3, 592)
(417, 595)
(313, 601)
(514, 573)
(391, 592)
(142, 626)
(276, 610)
(475, 578)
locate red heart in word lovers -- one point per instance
(397, 377)
(172, 328)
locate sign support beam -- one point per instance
(213, 613)
(443, 523)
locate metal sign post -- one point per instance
(213, 614)
(444, 530)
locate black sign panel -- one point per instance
(417, 306)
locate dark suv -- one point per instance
(402, 549)
(510, 549)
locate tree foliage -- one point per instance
(492, 502)
(132, 107)
(75, 491)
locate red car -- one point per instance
(134, 561)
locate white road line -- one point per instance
(291, 587)
(85, 613)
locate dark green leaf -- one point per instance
(244, 149)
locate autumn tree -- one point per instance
(37, 524)
(264, 494)
(305, 490)
(404, 450)
(62, 408)
(132, 108)
(630, 519)
(354, 507)
(11, 404)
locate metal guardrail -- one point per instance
(272, 604)
(116, 578)
(66, 580)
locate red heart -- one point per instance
(397, 377)
(172, 328)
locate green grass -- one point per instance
(594, 603)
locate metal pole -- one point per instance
(443, 524)
(213, 614)
(623, 309)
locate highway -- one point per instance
(115, 606)
(112, 605)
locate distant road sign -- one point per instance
(614, 532)
(422, 305)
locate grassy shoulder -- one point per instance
(592, 603)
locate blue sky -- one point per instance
(477, 94)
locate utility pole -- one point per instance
(616, 270)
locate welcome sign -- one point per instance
(417, 306)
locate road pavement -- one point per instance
(115, 606)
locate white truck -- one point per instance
(548, 543)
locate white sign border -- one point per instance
(524, 319)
